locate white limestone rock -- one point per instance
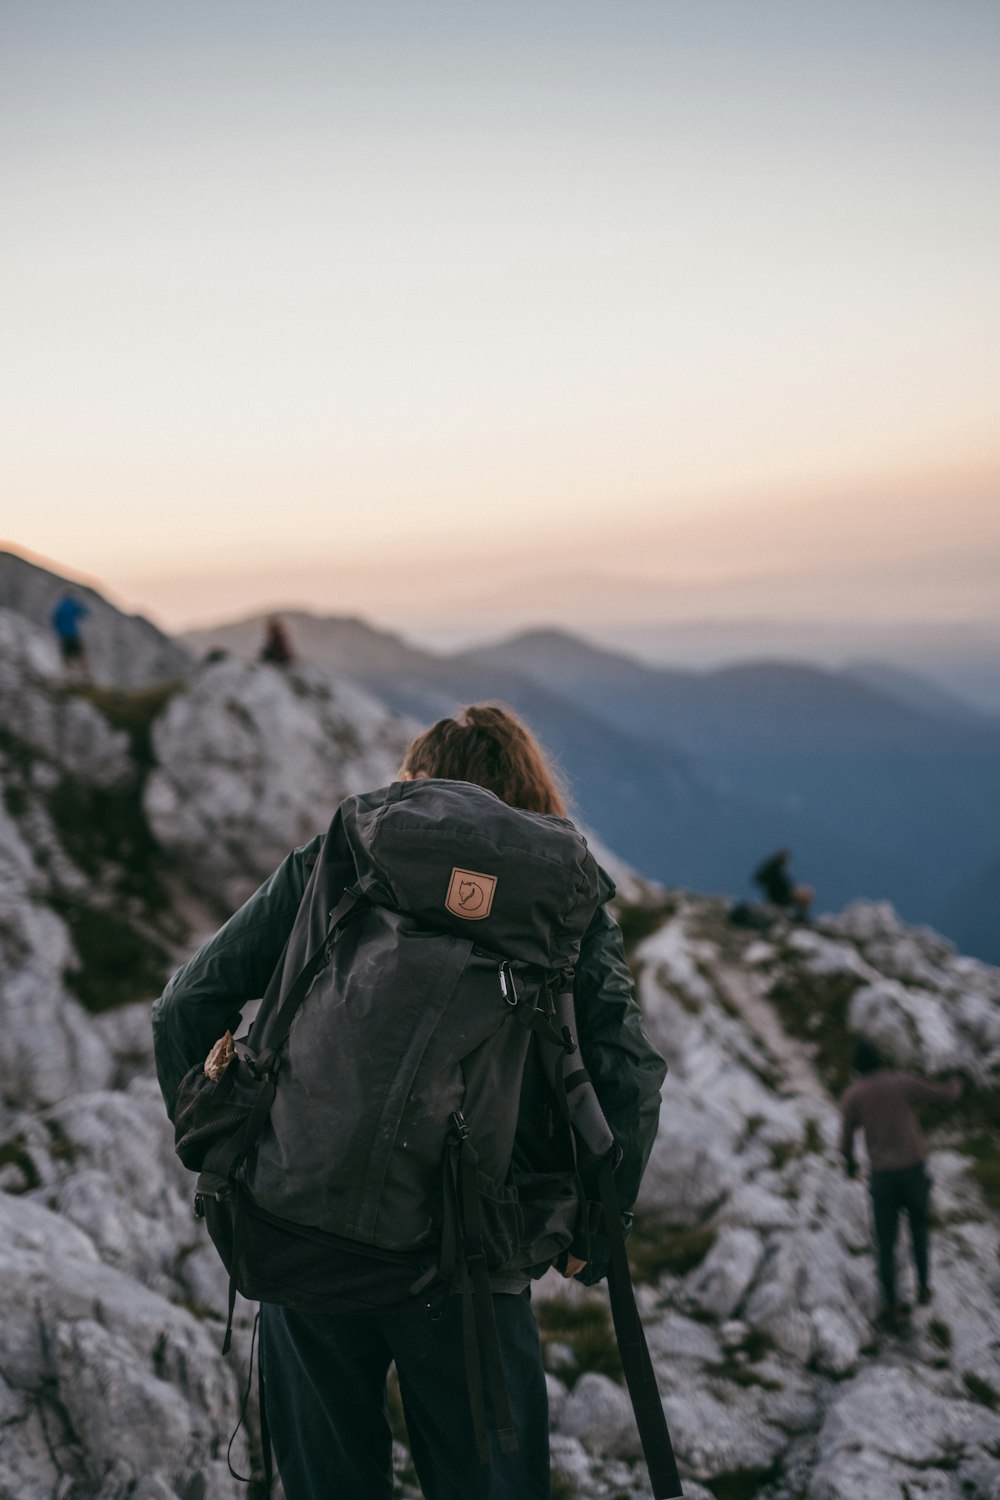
(253, 760)
(50, 1048)
(721, 1282)
(900, 1415)
(910, 1027)
(599, 1413)
(823, 955)
(138, 1379)
(714, 1435)
(838, 1341)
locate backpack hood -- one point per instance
(458, 859)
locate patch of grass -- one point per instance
(14, 1153)
(976, 1114)
(61, 1148)
(586, 1327)
(756, 1344)
(639, 922)
(655, 1249)
(743, 1375)
(814, 1007)
(105, 833)
(98, 826)
(686, 1001)
(563, 1486)
(782, 1152)
(131, 709)
(813, 1142)
(981, 1390)
(737, 1364)
(984, 1150)
(15, 799)
(118, 963)
(939, 1333)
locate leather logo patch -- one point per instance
(470, 894)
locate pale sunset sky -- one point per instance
(468, 315)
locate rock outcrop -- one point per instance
(123, 650)
(131, 821)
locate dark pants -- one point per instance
(906, 1191)
(324, 1390)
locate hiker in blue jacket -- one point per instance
(66, 618)
(325, 1373)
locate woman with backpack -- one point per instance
(324, 1372)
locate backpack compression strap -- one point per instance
(573, 1087)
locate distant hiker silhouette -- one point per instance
(277, 647)
(779, 889)
(66, 619)
(881, 1103)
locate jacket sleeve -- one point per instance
(626, 1069)
(929, 1091)
(205, 997)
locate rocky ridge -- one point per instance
(125, 813)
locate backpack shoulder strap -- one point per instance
(573, 1086)
(640, 1376)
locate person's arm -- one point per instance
(626, 1069)
(204, 998)
(849, 1125)
(925, 1091)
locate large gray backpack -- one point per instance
(409, 1116)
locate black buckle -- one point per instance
(459, 1126)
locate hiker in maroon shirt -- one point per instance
(881, 1103)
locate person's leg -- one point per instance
(916, 1200)
(324, 1391)
(430, 1364)
(885, 1211)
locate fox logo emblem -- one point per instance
(470, 894)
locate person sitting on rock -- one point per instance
(776, 883)
(881, 1103)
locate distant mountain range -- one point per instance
(883, 785)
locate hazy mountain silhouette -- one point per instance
(884, 789)
(920, 784)
(633, 741)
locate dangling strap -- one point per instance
(480, 1339)
(473, 1368)
(639, 1373)
(578, 1099)
(234, 1263)
(265, 1432)
(265, 1426)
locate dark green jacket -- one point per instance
(203, 1000)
